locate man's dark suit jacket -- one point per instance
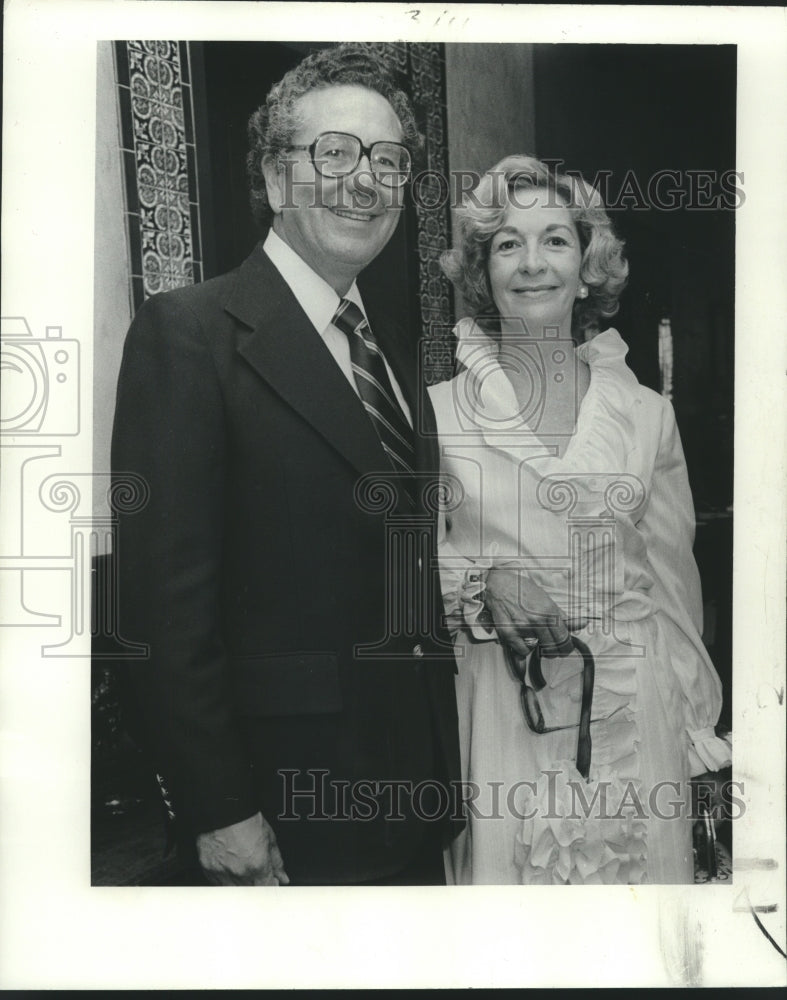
(252, 573)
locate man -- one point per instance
(298, 740)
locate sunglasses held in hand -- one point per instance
(531, 677)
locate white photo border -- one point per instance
(58, 932)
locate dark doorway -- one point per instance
(627, 115)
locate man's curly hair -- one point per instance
(273, 124)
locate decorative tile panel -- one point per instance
(156, 136)
(422, 65)
(427, 84)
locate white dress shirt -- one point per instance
(319, 301)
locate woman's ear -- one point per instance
(274, 182)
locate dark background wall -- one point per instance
(641, 109)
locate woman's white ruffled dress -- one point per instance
(607, 532)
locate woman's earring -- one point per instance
(583, 291)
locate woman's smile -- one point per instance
(535, 290)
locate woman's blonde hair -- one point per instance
(604, 269)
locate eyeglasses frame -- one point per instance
(528, 692)
(362, 151)
(584, 744)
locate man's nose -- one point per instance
(362, 177)
(363, 188)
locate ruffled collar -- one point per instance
(604, 434)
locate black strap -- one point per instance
(709, 840)
(584, 742)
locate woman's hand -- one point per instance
(521, 610)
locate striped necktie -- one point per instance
(375, 389)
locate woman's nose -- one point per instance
(531, 259)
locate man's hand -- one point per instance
(520, 609)
(245, 853)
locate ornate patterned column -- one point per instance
(157, 139)
(422, 64)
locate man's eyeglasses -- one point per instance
(337, 154)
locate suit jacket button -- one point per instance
(418, 650)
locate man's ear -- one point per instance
(274, 182)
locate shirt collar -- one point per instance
(316, 297)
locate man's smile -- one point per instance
(357, 216)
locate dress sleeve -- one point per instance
(668, 527)
(463, 582)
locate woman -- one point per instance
(568, 510)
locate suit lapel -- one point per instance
(284, 349)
